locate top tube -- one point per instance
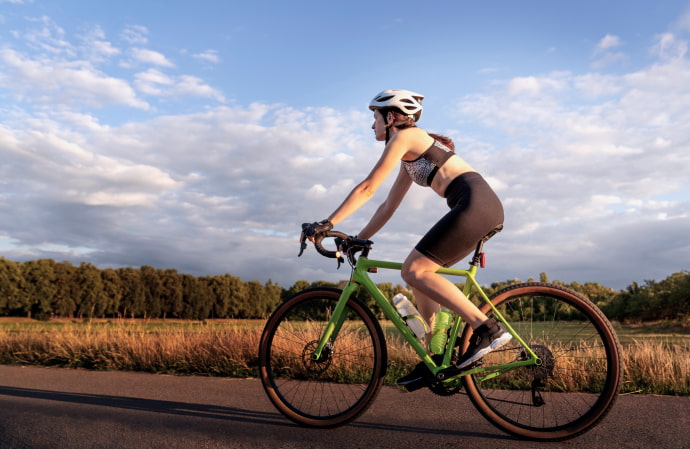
(349, 246)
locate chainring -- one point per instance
(443, 390)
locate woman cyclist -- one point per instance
(430, 161)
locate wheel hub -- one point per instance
(320, 364)
(543, 370)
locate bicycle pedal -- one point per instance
(416, 385)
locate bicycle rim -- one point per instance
(338, 387)
(578, 379)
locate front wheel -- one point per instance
(579, 375)
(341, 384)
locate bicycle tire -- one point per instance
(579, 379)
(339, 387)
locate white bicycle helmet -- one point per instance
(408, 102)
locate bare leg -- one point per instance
(420, 273)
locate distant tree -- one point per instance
(273, 295)
(222, 296)
(663, 300)
(238, 297)
(65, 290)
(196, 297)
(39, 277)
(153, 291)
(296, 288)
(112, 291)
(171, 293)
(676, 296)
(13, 298)
(90, 298)
(256, 300)
(133, 295)
(597, 293)
(628, 305)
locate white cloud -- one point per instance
(155, 82)
(607, 42)
(96, 47)
(135, 35)
(669, 47)
(192, 85)
(47, 81)
(208, 56)
(49, 38)
(608, 59)
(45, 70)
(604, 54)
(151, 57)
(683, 22)
(152, 82)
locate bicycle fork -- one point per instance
(335, 322)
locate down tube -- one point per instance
(393, 315)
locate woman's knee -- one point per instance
(408, 275)
(415, 267)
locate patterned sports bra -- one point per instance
(423, 169)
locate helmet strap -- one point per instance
(394, 124)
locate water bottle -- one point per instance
(439, 335)
(412, 317)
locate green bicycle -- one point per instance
(323, 353)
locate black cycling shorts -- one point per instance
(475, 210)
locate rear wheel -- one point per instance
(578, 379)
(341, 384)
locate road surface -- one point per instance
(63, 408)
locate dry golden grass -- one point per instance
(657, 368)
(211, 350)
(229, 348)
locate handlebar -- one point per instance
(340, 237)
(345, 244)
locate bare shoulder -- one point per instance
(413, 138)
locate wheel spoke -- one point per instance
(338, 386)
(578, 380)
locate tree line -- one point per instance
(44, 289)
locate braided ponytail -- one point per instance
(447, 141)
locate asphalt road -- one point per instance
(61, 408)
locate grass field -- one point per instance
(657, 358)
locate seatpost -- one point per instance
(478, 258)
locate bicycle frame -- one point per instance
(360, 277)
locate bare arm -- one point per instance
(389, 206)
(391, 156)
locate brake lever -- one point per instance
(339, 244)
(302, 244)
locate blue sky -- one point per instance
(199, 135)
